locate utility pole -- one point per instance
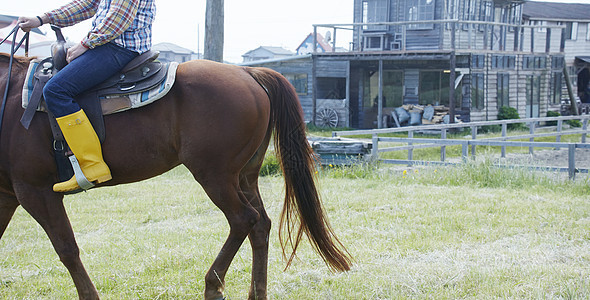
(214, 17)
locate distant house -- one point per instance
(266, 52)
(576, 19)
(170, 52)
(306, 46)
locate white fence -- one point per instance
(503, 141)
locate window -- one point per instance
(530, 62)
(299, 81)
(503, 89)
(434, 89)
(556, 87)
(542, 29)
(557, 62)
(478, 61)
(420, 10)
(477, 91)
(503, 61)
(571, 30)
(375, 11)
(588, 32)
(533, 96)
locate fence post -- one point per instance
(571, 161)
(559, 127)
(473, 137)
(411, 150)
(532, 139)
(443, 149)
(584, 127)
(504, 129)
(465, 150)
(375, 149)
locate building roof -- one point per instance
(320, 40)
(169, 47)
(271, 49)
(273, 60)
(555, 11)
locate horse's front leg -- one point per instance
(47, 208)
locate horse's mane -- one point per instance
(21, 61)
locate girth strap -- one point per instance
(35, 100)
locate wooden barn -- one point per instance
(469, 57)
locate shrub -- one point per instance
(510, 113)
(270, 165)
(552, 114)
(574, 123)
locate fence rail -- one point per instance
(503, 141)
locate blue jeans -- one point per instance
(86, 71)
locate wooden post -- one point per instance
(548, 41)
(411, 150)
(504, 130)
(313, 87)
(532, 40)
(334, 40)
(532, 139)
(571, 158)
(380, 100)
(375, 148)
(453, 65)
(559, 127)
(473, 137)
(585, 128)
(214, 30)
(516, 37)
(443, 149)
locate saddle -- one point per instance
(141, 74)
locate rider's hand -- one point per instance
(75, 51)
(28, 23)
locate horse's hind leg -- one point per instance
(47, 208)
(241, 216)
(8, 205)
(259, 235)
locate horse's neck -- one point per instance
(20, 65)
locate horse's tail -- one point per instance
(302, 210)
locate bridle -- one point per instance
(14, 47)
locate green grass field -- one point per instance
(473, 232)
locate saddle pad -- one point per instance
(115, 103)
(30, 83)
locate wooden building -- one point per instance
(471, 56)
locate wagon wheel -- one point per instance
(327, 117)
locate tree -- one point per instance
(214, 30)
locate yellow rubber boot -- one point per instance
(83, 141)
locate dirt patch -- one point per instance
(552, 158)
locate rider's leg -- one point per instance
(84, 72)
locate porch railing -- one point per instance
(457, 35)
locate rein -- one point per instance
(13, 50)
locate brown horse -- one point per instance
(217, 121)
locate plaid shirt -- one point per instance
(127, 23)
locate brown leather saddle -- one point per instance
(141, 74)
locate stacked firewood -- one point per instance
(423, 114)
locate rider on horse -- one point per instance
(121, 30)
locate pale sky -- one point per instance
(248, 23)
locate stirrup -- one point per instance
(79, 175)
